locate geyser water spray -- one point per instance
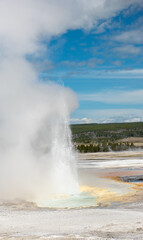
(37, 160)
(36, 152)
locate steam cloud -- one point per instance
(35, 145)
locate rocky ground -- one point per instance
(71, 224)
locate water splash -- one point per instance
(37, 158)
(60, 160)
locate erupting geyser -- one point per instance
(36, 154)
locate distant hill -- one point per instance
(107, 135)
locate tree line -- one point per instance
(104, 147)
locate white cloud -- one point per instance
(113, 115)
(136, 119)
(129, 49)
(23, 22)
(115, 97)
(80, 120)
(108, 73)
(132, 36)
(131, 71)
(117, 63)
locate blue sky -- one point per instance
(103, 65)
